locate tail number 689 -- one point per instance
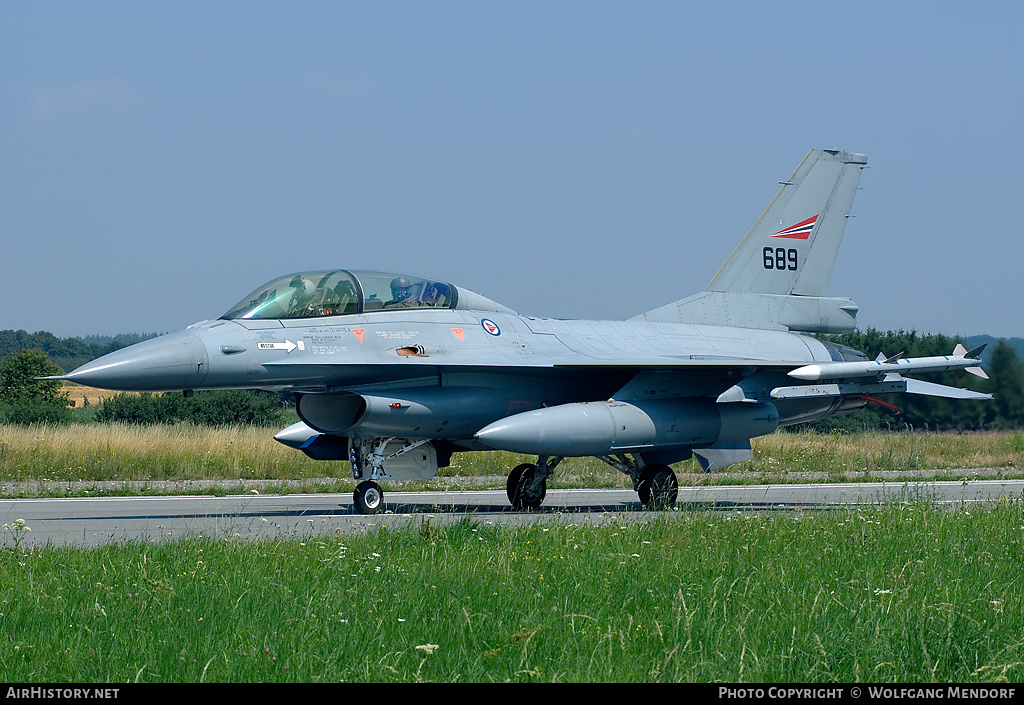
(780, 258)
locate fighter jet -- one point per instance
(395, 373)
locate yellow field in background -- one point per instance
(86, 396)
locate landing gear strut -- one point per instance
(655, 484)
(382, 458)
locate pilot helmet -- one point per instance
(301, 284)
(401, 288)
(302, 291)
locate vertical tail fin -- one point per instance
(792, 247)
(776, 277)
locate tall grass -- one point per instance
(158, 452)
(907, 594)
(184, 452)
(845, 454)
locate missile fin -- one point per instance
(976, 353)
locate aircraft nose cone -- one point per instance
(171, 362)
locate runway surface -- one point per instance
(101, 520)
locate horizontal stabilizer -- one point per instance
(809, 314)
(916, 386)
(890, 384)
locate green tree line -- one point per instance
(236, 407)
(67, 353)
(25, 400)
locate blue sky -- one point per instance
(568, 159)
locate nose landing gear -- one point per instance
(368, 497)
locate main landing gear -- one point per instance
(527, 483)
(658, 487)
(655, 484)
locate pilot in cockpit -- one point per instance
(401, 294)
(302, 294)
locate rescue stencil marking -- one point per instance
(287, 346)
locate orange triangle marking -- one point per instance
(359, 333)
(459, 333)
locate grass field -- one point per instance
(898, 594)
(902, 593)
(53, 456)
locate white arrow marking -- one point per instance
(287, 346)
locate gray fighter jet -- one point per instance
(395, 373)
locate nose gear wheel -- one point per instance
(368, 497)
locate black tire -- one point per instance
(368, 497)
(519, 485)
(658, 488)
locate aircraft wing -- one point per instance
(728, 378)
(831, 379)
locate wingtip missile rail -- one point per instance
(961, 361)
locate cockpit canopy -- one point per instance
(339, 292)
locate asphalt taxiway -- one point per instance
(100, 520)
